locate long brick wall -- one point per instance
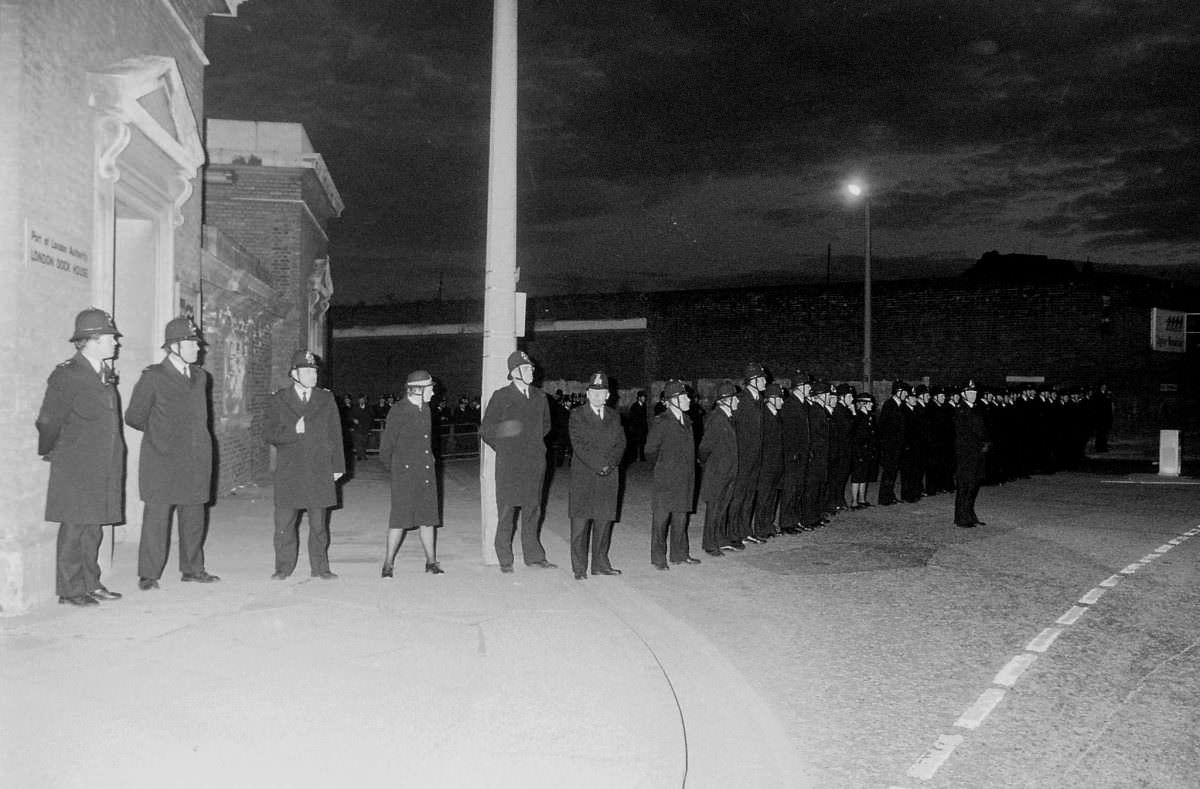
(1078, 331)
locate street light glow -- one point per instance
(855, 189)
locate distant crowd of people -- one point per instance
(361, 416)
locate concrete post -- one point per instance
(1169, 453)
(500, 283)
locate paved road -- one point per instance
(873, 637)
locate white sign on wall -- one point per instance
(1168, 330)
(53, 253)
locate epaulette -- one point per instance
(66, 362)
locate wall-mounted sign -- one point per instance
(54, 253)
(1168, 330)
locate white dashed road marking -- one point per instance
(982, 707)
(1042, 641)
(927, 765)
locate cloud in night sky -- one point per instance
(678, 143)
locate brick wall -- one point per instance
(940, 330)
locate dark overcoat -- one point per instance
(719, 454)
(970, 443)
(841, 452)
(748, 427)
(595, 443)
(171, 410)
(770, 475)
(890, 429)
(305, 462)
(671, 446)
(516, 426)
(79, 429)
(819, 422)
(793, 418)
(406, 450)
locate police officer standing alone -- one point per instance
(598, 442)
(672, 448)
(79, 432)
(304, 426)
(170, 405)
(970, 446)
(406, 450)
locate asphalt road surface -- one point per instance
(1057, 646)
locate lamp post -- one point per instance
(858, 190)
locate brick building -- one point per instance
(1072, 328)
(266, 274)
(106, 202)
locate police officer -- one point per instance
(748, 427)
(770, 475)
(170, 406)
(672, 448)
(515, 425)
(816, 478)
(970, 448)
(406, 450)
(890, 429)
(304, 426)
(598, 443)
(793, 417)
(719, 453)
(79, 432)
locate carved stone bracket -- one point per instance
(187, 185)
(112, 138)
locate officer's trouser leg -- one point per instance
(601, 539)
(89, 545)
(156, 539)
(191, 538)
(659, 518)
(69, 560)
(287, 544)
(505, 527)
(531, 542)
(680, 549)
(318, 539)
(580, 533)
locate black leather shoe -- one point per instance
(146, 584)
(606, 571)
(688, 560)
(663, 566)
(434, 568)
(580, 576)
(980, 523)
(104, 594)
(790, 530)
(279, 576)
(545, 565)
(753, 539)
(715, 552)
(202, 577)
(506, 568)
(83, 599)
(324, 575)
(386, 572)
(965, 525)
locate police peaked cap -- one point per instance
(598, 381)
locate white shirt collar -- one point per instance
(178, 364)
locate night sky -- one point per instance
(687, 143)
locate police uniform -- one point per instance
(515, 425)
(598, 443)
(793, 418)
(171, 408)
(671, 447)
(748, 427)
(816, 477)
(970, 446)
(890, 429)
(305, 465)
(719, 454)
(79, 432)
(406, 450)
